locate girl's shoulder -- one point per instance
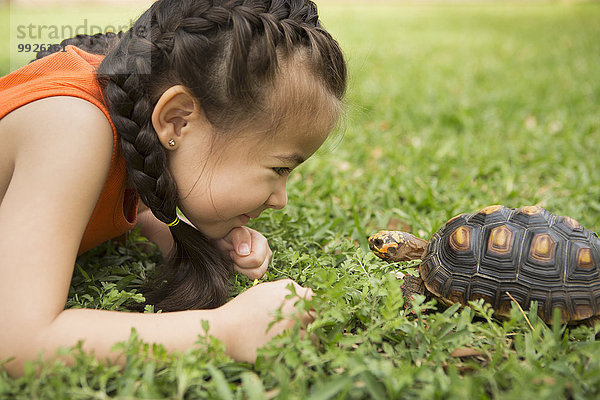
(52, 120)
(62, 127)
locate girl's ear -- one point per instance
(173, 112)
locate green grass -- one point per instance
(450, 108)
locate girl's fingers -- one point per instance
(224, 244)
(247, 265)
(249, 251)
(308, 316)
(241, 238)
(251, 273)
(260, 255)
(238, 240)
(258, 258)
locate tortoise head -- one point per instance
(395, 246)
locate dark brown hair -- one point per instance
(228, 54)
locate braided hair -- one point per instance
(226, 52)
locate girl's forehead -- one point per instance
(291, 143)
(299, 100)
(291, 137)
(298, 112)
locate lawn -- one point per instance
(450, 108)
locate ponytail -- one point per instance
(197, 275)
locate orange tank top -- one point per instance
(73, 73)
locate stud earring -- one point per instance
(172, 143)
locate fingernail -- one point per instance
(244, 249)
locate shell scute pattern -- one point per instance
(571, 228)
(528, 252)
(531, 216)
(489, 215)
(500, 249)
(583, 265)
(542, 259)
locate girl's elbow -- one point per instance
(14, 355)
(21, 344)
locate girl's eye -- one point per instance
(282, 171)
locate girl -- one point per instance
(203, 105)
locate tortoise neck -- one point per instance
(413, 247)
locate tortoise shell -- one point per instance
(527, 252)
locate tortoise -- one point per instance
(500, 254)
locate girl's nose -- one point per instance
(278, 198)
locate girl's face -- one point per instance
(223, 183)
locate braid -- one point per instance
(131, 108)
(226, 53)
(131, 111)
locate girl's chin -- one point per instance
(219, 231)
(244, 219)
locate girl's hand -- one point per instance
(249, 251)
(248, 317)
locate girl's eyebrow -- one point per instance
(294, 158)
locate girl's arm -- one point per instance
(62, 148)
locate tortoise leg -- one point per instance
(412, 286)
(591, 322)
